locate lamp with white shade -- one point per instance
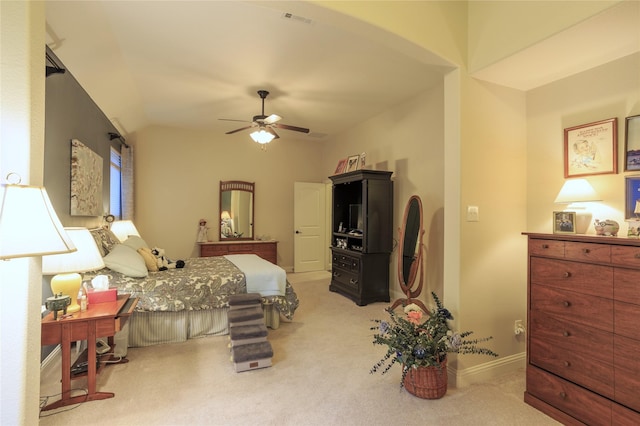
(67, 267)
(123, 229)
(576, 192)
(29, 225)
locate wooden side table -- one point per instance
(99, 320)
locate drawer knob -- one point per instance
(566, 333)
(545, 246)
(353, 281)
(563, 395)
(567, 364)
(336, 274)
(566, 303)
(567, 274)
(586, 251)
(637, 256)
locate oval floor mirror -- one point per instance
(410, 254)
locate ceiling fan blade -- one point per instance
(231, 119)
(272, 119)
(273, 132)
(238, 130)
(288, 127)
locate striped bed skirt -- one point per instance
(153, 328)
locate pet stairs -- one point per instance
(250, 349)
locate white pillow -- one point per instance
(135, 242)
(127, 261)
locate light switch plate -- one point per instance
(473, 214)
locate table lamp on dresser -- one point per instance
(67, 267)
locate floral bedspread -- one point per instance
(204, 283)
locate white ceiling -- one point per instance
(188, 64)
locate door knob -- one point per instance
(297, 232)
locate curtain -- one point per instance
(127, 182)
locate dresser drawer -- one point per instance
(568, 335)
(578, 367)
(347, 279)
(623, 416)
(625, 256)
(627, 319)
(546, 248)
(574, 400)
(626, 285)
(585, 278)
(348, 263)
(587, 252)
(207, 250)
(579, 308)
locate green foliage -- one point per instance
(421, 339)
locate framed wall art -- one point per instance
(352, 163)
(591, 149)
(564, 222)
(632, 143)
(632, 197)
(86, 181)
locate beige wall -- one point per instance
(612, 90)
(21, 151)
(177, 176)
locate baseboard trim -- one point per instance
(486, 371)
(49, 358)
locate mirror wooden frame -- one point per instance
(237, 185)
(407, 283)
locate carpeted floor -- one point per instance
(320, 376)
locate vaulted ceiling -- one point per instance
(188, 64)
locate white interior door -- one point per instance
(309, 226)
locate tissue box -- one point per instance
(101, 296)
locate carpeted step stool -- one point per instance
(250, 349)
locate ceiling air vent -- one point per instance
(296, 18)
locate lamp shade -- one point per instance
(637, 209)
(575, 191)
(262, 136)
(123, 228)
(86, 258)
(29, 225)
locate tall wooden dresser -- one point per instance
(583, 341)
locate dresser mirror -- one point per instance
(410, 254)
(236, 210)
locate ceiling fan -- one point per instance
(266, 126)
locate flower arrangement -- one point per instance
(421, 339)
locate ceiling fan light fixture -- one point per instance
(262, 136)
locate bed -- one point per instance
(184, 303)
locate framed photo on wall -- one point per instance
(632, 143)
(591, 149)
(564, 222)
(632, 197)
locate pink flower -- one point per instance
(414, 317)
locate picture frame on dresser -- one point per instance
(564, 222)
(591, 149)
(632, 143)
(632, 197)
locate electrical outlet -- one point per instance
(518, 328)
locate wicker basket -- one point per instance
(427, 382)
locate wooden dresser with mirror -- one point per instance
(236, 227)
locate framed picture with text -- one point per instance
(591, 149)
